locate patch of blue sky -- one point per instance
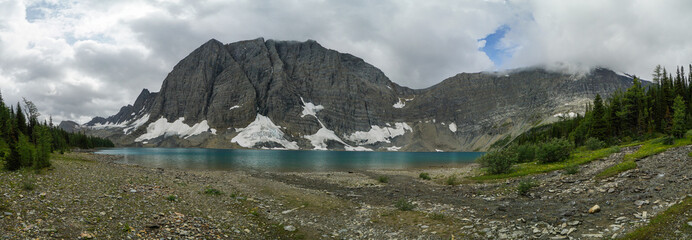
(493, 47)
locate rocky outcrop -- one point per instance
(284, 94)
(69, 126)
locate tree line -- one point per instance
(641, 112)
(638, 113)
(26, 142)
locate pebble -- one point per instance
(290, 228)
(133, 191)
(595, 209)
(641, 202)
(689, 223)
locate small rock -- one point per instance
(290, 228)
(592, 235)
(573, 223)
(689, 223)
(153, 226)
(611, 190)
(133, 191)
(595, 209)
(86, 235)
(639, 203)
(8, 214)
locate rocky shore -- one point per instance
(87, 196)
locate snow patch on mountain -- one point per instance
(109, 125)
(357, 149)
(262, 130)
(393, 148)
(136, 124)
(177, 128)
(402, 102)
(320, 138)
(565, 115)
(310, 108)
(379, 134)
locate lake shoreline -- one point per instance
(88, 195)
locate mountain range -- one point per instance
(299, 95)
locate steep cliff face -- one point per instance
(300, 95)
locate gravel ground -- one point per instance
(89, 196)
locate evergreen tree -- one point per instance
(43, 147)
(599, 126)
(12, 162)
(679, 126)
(21, 121)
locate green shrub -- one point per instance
(212, 191)
(424, 176)
(452, 180)
(525, 152)
(404, 205)
(525, 186)
(498, 162)
(437, 216)
(28, 184)
(594, 144)
(572, 169)
(556, 150)
(171, 198)
(668, 140)
(383, 179)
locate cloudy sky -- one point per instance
(79, 59)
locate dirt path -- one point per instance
(89, 196)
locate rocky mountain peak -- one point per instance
(288, 94)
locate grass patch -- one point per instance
(383, 179)
(70, 157)
(648, 148)
(437, 216)
(28, 184)
(656, 146)
(573, 169)
(663, 225)
(404, 205)
(171, 198)
(578, 157)
(525, 186)
(4, 205)
(451, 180)
(617, 169)
(212, 191)
(424, 176)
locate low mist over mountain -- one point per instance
(300, 95)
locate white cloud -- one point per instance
(77, 59)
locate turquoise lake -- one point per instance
(278, 160)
